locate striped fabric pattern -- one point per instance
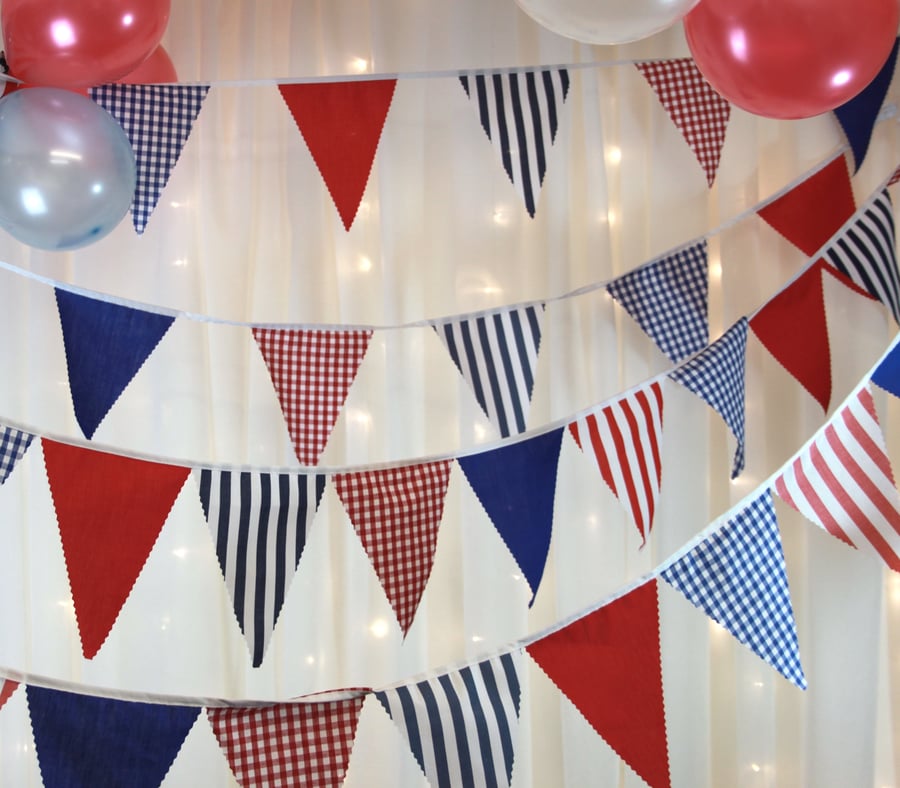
(13, 445)
(843, 482)
(624, 438)
(867, 253)
(461, 726)
(496, 355)
(259, 524)
(520, 114)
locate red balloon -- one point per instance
(76, 43)
(156, 68)
(791, 58)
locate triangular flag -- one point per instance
(461, 726)
(341, 123)
(106, 344)
(516, 485)
(7, 688)
(813, 211)
(83, 740)
(894, 178)
(157, 119)
(259, 524)
(737, 577)
(396, 513)
(625, 438)
(700, 113)
(13, 445)
(520, 114)
(608, 664)
(717, 376)
(793, 328)
(843, 482)
(866, 252)
(496, 355)
(857, 116)
(887, 373)
(312, 372)
(110, 511)
(668, 299)
(287, 744)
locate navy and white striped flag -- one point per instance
(259, 523)
(461, 726)
(520, 115)
(497, 354)
(867, 253)
(13, 444)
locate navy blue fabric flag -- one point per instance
(516, 485)
(857, 116)
(887, 373)
(106, 344)
(85, 742)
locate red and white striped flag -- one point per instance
(843, 482)
(625, 438)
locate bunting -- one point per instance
(625, 438)
(259, 524)
(887, 373)
(516, 485)
(520, 114)
(157, 119)
(717, 376)
(737, 576)
(287, 744)
(700, 113)
(341, 123)
(668, 299)
(843, 482)
(106, 344)
(496, 355)
(87, 741)
(461, 726)
(110, 510)
(793, 328)
(866, 252)
(312, 372)
(13, 445)
(608, 665)
(396, 513)
(7, 688)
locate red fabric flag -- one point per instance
(341, 123)
(7, 688)
(608, 664)
(110, 511)
(793, 328)
(814, 210)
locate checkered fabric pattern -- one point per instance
(157, 119)
(13, 444)
(737, 576)
(668, 299)
(312, 371)
(717, 376)
(288, 744)
(396, 513)
(700, 113)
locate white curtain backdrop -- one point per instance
(246, 233)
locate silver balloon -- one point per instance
(67, 170)
(606, 21)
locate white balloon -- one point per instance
(606, 21)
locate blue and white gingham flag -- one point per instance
(461, 726)
(13, 444)
(157, 119)
(737, 577)
(668, 299)
(496, 355)
(717, 376)
(520, 114)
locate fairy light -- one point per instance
(379, 628)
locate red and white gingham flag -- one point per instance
(700, 113)
(624, 438)
(286, 744)
(312, 371)
(843, 482)
(396, 513)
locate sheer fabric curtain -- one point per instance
(246, 233)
